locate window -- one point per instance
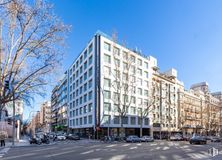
(139, 91)
(85, 87)
(85, 109)
(85, 76)
(125, 120)
(80, 100)
(146, 65)
(117, 62)
(107, 106)
(80, 121)
(107, 82)
(73, 122)
(73, 113)
(90, 83)
(140, 101)
(106, 119)
(116, 96)
(116, 120)
(90, 60)
(146, 74)
(132, 58)
(77, 112)
(125, 77)
(107, 94)
(116, 51)
(125, 66)
(132, 120)
(139, 72)
(90, 119)
(107, 70)
(133, 110)
(80, 111)
(139, 120)
(145, 102)
(77, 122)
(107, 46)
(133, 100)
(85, 54)
(80, 70)
(90, 95)
(70, 114)
(107, 58)
(80, 60)
(90, 107)
(85, 98)
(85, 65)
(139, 62)
(77, 64)
(85, 120)
(80, 80)
(70, 122)
(80, 90)
(146, 83)
(90, 72)
(145, 92)
(133, 69)
(140, 81)
(125, 55)
(90, 48)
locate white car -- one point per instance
(61, 137)
(147, 139)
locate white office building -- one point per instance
(92, 95)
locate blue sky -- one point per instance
(186, 34)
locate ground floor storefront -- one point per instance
(105, 131)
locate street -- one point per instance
(84, 150)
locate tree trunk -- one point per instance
(141, 126)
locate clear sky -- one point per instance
(185, 35)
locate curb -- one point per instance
(32, 145)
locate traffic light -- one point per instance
(9, 121)
(7, 85)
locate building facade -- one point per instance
(45, 117)
(93, 107)
(59, 106)
(108, 86)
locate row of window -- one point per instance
(126, 98)
(82, 89)
(82, 57)
(82, 99)
(126, 56)
(81, 121)
(125, 120)
(81, 110)
(82, 78)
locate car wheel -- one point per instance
(191, 142)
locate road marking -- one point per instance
(24, 155)
(5, 150)
(87, 152)
(43, 149)
(58, 154)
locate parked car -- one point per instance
(186, 138)
(133, 138)
(146, 139)
(35, 140)
(60, 137)
(215, 139)
(198, 140)
(72, 137)
(176, 137)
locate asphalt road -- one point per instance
(84, 150)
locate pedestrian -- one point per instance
(3, 136)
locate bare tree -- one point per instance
(123, 84)
(148, 106)
(31, 41)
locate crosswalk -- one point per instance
(4, 151)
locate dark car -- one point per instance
(198, 140)
(72, 137)
(35, 140)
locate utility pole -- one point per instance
(13, 123)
